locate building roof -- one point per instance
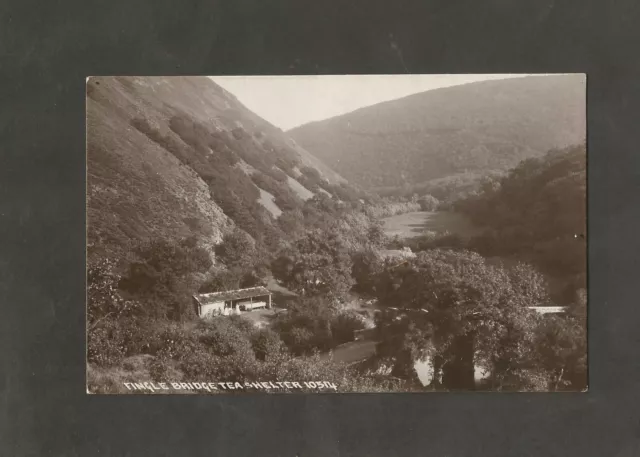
(232, 295)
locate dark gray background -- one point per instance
(49, 47)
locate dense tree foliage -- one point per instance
(317, 264)
(103, 296)
(310, 325)
(537, 213)
(219, 349)
(446, 190)
(561, 343)
(459, 310)
(388, 207)
(367, 266)
(213, 155)
(181, 165)
(237, 249)
(428, 203)
(163, 276)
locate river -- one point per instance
(416, 223)
(409, 225)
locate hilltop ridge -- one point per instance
(472, 128)
(176, 157)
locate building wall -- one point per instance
(212, 308)
(218, 308)
(253, 305)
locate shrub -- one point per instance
(428, 203)
(264, 342)
(158, 369)
(105, 344)
(344, 325)
(173, 341)
(237, 249)
(278, 175)
(224, 337)
(300, 340)
(221, 280)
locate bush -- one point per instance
(200, 366)
(221, 280)
(318, 264)
(237, 249)
(163, 275)
(158, 369)
(367, 265)
(344, 325)
(388, 209)
(173, 341)
(428, 203)
(301, 340)
(316, 324)
(278, 175)
(225, 337)
(105, 344)
(111, 339)
(266, 341)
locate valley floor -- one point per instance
(416, 223)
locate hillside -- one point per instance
(537, 213)
(462, 131)
(191, 193)
(172, 157)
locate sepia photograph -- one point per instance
(336, 234)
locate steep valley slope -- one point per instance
(173, 157)
(463, 131)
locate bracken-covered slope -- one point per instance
(174, 157)
(472, 128)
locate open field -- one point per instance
(267, 200)
(412, 224)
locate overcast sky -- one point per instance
(289, 101)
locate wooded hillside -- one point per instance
(463, 130)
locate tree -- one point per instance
(221, 280)
(428, 203)
(225, 337)
(376, 235)
(266, 342)
(291, 222)
(317, 264)
(537, 212)
(468, 311)
(237, 249)
(562, 345)
(108, 314)
(310, 325)
(403, 340)
(367, 266)
(103, 297)
(164, 275)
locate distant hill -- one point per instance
(456, 131)
(177, 157)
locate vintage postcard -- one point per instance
(372, 233)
